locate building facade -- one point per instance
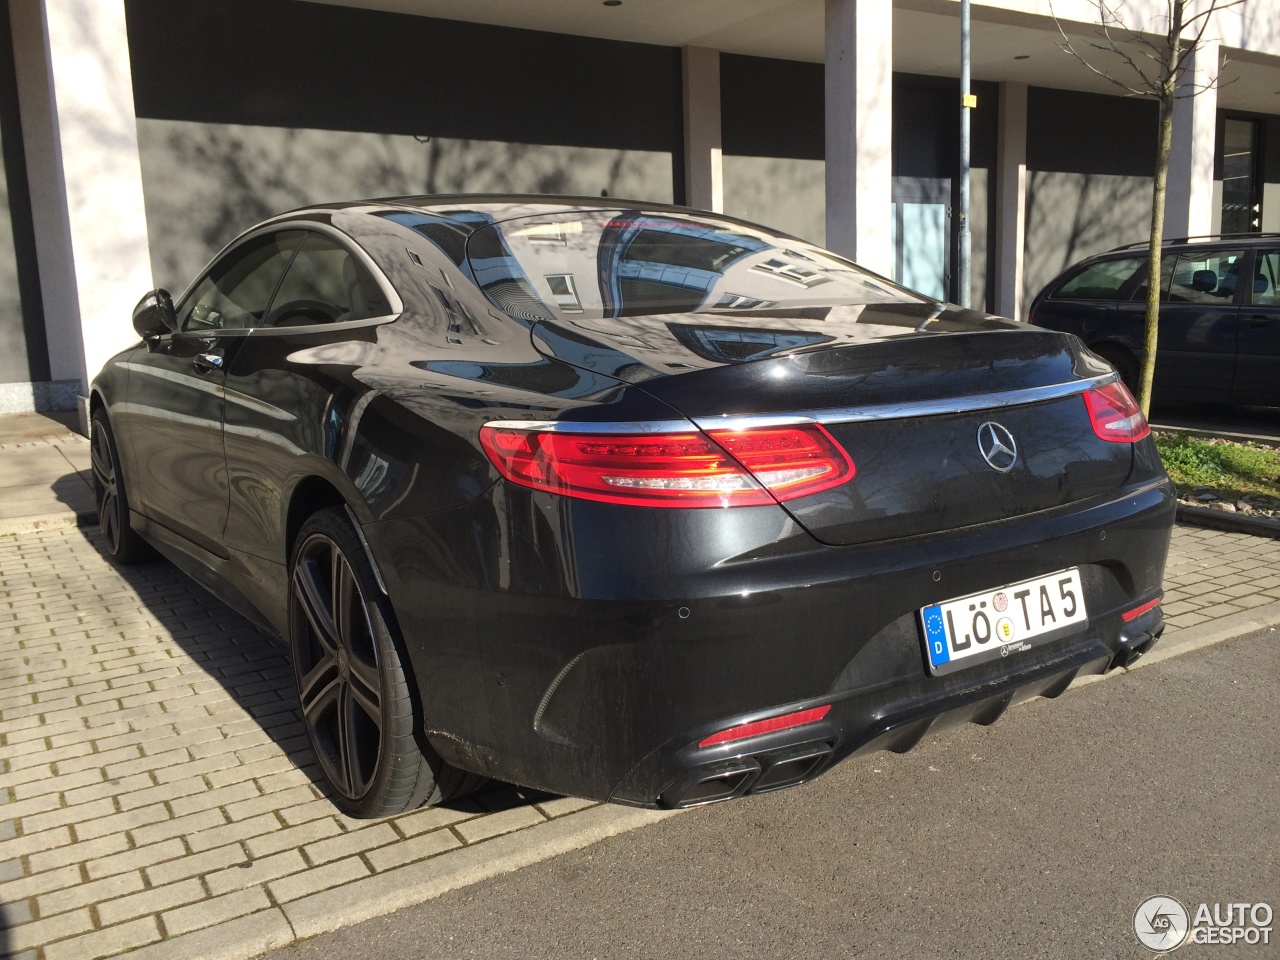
(140, 136)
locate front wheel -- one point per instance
(353, 687)
(121, 541)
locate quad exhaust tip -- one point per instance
(1132, 653)
(762, 773)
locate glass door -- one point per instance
(922, 235)
(1241, 204)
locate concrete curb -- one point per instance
(48, 521)
(1176, 642)
(384, 893)
(1229, 522)
(1207, 634)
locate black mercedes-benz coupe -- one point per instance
(626, 501)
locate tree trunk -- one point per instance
(1154, 284)
(1168, 90)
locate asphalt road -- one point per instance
(1036, 837)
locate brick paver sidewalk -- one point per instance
(156, 787)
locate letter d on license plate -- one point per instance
(965, 631)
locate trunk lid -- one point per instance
(904, 388)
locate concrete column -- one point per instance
(1188, 208)
(75, 92)
(859, 119)
(1011, 198)
(703, 156)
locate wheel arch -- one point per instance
(310, 495)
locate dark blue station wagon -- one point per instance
(1219, 338)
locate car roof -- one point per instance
(1208, 239)
(448, 206)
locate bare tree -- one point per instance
(1154, 66)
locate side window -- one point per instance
(1102, 281)
(1166, 273)
(325, 284)
(1204, 277)
(235, 293)
(1266, 279)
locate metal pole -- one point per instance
(964, 238)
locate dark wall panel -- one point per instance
(1271, 150)
(287, 63)
(24, 351)
(776, 108)
(1090, 133)
(926, 126)
(771, 108)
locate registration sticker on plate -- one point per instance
(964, 631)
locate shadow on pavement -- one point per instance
(252, 668)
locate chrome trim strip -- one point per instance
(592, 428)
(888, 411)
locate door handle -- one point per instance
(1258, 320)
(207, 362)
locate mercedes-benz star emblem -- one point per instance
(997, 446)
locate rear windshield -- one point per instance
(601, 263)
(1101, 281)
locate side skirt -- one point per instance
(216, 574)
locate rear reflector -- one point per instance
(1136, 612)
(722, 468)
(785, 722)
(1114, 413)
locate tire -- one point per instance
(120, 540)
(1126, 363)
(353, 688)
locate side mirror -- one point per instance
(154, 315)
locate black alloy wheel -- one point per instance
(339, 679)
(352, 686)
(121, 542)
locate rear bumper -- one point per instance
(596, 671)
(860, 723)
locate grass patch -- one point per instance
(1232, 469)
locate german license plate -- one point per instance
(967, 630)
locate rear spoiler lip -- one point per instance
(863, 413)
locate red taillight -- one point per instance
(1115, 414)
(784, 722)
(725, 468)
(1136, 612)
